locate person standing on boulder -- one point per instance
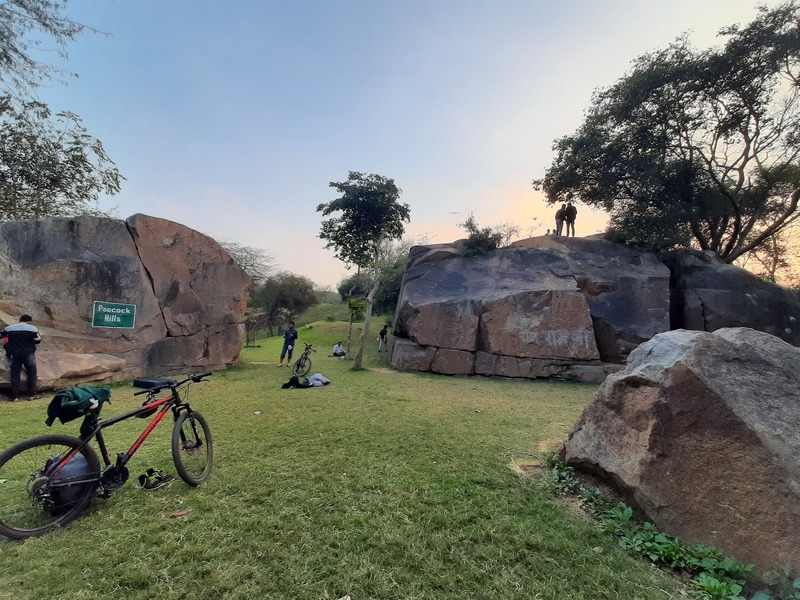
(23, 337)
(560, 219)
(289, 337)
(570, 212)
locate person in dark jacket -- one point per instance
(289, 337)
(23, 337)
(560, 219)
(569, 218)
(382, 339)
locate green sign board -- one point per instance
(111, 314)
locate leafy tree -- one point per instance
(353, 286)
(389, 291)
(480, 240)
(393, 258)
(393, 267)
(694, 148)
(354, 290)
(281, 297)
(49, 164)
(367, 214)
(25, 26)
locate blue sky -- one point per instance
(232, 117)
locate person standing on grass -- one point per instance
(382, 339)
(23, 337)
(289, 337)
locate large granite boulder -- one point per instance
(626, 290)
(701, 431)
(551, 307)
(189, 296)
(570, 308)
(708, 294)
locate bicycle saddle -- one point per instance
(146, 384)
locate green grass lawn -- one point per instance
(381, 485)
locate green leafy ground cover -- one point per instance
(380, 485)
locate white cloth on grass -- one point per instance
(318, 379)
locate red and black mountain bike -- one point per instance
(48, 481)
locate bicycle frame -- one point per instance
(49, 480)
(162, 406)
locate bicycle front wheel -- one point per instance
(192, 448)
(33, 499)
(302, 366)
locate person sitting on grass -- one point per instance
(338, 350)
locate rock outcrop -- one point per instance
(189, 296)
(551, 307)
(569, 308)
(701, 431)
(709, 294)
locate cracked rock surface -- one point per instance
(189, 297)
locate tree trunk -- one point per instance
(350, 321)
(368, 315)
(349, 335)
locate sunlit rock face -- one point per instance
(172, 298)
(701, 431)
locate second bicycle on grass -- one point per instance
(48, 481)
(303, 364)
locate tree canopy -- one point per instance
(49, 164)
(25, 27)
(367, 214)
(394, 257)
(282, 296)
(694, 148)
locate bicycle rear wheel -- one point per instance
(192, 448)
(302, 366)
(34, 502)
